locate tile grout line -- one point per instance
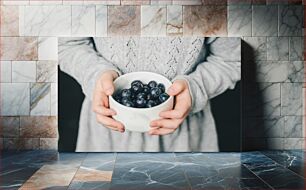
(77, 170)
(115, 161)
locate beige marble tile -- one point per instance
(49, 176)
(89, 174)
(214, 2)
(38, 126)
(9, 20)
(9, 126)
(46, 71)
(205, 20)
(18, 48)
(161, 2)
(135, 2)
(48, 143)
(21, 143)
(153, 20)
(174, 20)
(40, 99)
(123, 20)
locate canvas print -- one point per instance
(149, 94)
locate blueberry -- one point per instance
(152, 84)
(141, 102)
(124, 100)
(155, 92)
(128, 104)
(161, 87)
(146, 89)
(137, 82)
(141, 95)
(163, 97)
(136, 88)
(149, 97)
(126, 93)
(150, 103)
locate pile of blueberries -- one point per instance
(142, 95)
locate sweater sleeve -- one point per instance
(220, 71)
(79, 58)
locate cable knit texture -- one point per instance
(209, 65)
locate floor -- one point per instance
(250, 170)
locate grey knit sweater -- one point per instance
(210, 66)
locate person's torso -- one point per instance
(168, 56)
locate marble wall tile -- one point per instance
(18, 48)
(161, 2)
(10, 143)
(293, 127)
(47, 20)
(256, 48)
(101, 2)
(239, 20)
(292, 99)
(135, 2)
(47, 48)
(38, 126)
(123, 20)
(28, 143)
(271, 71)
(9, 127)
(46, 2)
(239, 2)
(153, 20)
(1, 143)
(214, 2)
(278, 48)
(15, 2)
(290, 20)
(54, 99)
(101, 20)
(83, 20)
(205, 20)
(73, 2)
(296, 48)
(275, 143)
(9, 21)
(188, 2)
(293, 143)
(48, 143)
(40, 99)
(15, 99)
(23, 71)
(174, 20)
(262, 99)
(258, 127)
(6, 71)
(46, 71)
(264, 22)
(21, 20)
(296, 71)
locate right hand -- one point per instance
(104, 87)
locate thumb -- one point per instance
(176, 88)
(107, 84)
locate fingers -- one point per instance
(107, 83)
(110, 123)
(166, 123)
(161, 131)
(177, 87)
(104, 111)
(174, 114)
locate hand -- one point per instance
(104, 88)
(172, 119)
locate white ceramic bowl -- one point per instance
(138, 119)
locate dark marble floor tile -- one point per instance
(293, 160)
(78, 185)
(147, 171)
(271, 172)
(218, 171)
(100, 161)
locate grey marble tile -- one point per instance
(101, 20)
(291, 98)
(15, 99)
(40, 99)
(264, 21)
(239, 20)
(296, 49)
(293, 127)
(83, 20)
(175, 20)
(262, 99)
(278, 48)
(47, 48)
(264, 127)
(23, 71)
(294, 143)
(100, 161)
(46, 71)
(272, 173)
(256, 48)
(9, 126)
(295, 71)
(161, 2)
(271, 71)
(290, 20)
(217, 171)
(184, 2)
(80, 185)
(6, 71)
(147, 171)
(153, 20)
(54, 99)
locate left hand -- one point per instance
(172, 119)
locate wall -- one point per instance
(273, 67)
